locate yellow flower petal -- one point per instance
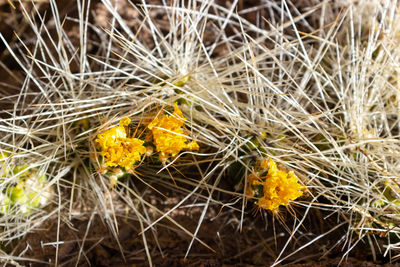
(168, 135)
(279, 187)
(118, 149)
(193, 146)
(124, 121)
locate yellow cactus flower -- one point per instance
(118, 149)
(278, 187)
(168, 135)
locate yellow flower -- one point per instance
(278, 187)
(118, 149)
(168, 135)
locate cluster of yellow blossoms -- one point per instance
(168, 135)
(277, 187)
(118, 149)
